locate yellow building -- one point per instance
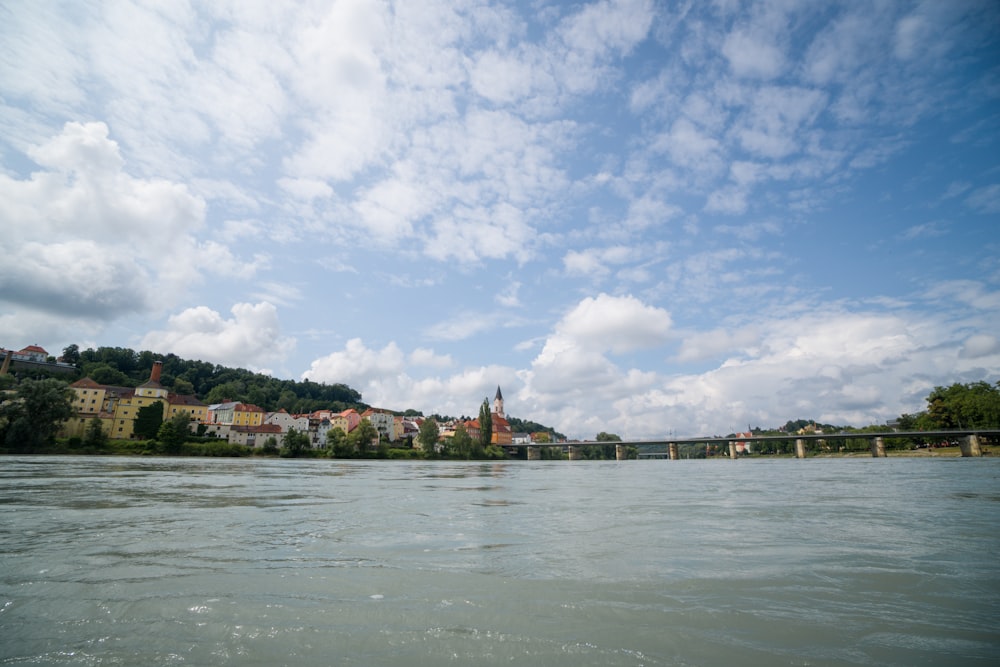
(117, 407)
(246, 414)
(234, 414)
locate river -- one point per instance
(159, 561)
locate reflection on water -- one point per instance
(208, 561)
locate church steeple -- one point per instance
(498, 403)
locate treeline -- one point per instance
(210, 383)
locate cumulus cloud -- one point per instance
(356, 363)
(616, 324)
(95, 241)
(252, 333)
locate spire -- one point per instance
(498, 404)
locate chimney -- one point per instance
(154, 375)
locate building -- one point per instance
(383, 422)
(118, 407)
(32, 357)
(235, 414)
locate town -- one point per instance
(118, 410)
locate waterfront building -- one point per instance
(118, 407)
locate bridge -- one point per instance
(969, 442)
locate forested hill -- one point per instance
(211, 383)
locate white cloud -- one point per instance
(753, 56)
(252, 336)
(356, 363)
(978, 346)
(713, 344)
(616, 324)
(426, 357)
(93, 240)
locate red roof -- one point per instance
(34, 348)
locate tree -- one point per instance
(485, 428)
(95, 436)
(227, 391)
(174, 432)
(604, 451)
(71, 354)
(461, 443)
(183, 387)
(270, 445)
(102, 373)
(295, 443)
(974, 405)
(363, 437)
(338, 443)
(31, 419)
(428, 435)
(148, 420)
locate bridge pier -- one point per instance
(878, 447)
(732, 450)
(672, 448)
(534, 453)
(574, 453)
(621, 452)
(800, 448)
(970, 446)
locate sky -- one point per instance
(645, 218)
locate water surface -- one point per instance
(132, 561)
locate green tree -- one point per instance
(604, 451)
(363, 437)
(974, 405)
(71, 354)
(428, 435)
(461, 443)
(148, 420)
(183, 387)
(339, 444)
(102, 373)
(295, 444)
(32, 417)
(174, 432)
(485, 429)
(227, 391)
(95, 436)
(270, 445)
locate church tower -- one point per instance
(498, 403)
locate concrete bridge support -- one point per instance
(574, 453)
(878, 447)
(534, 453)
(970, 446)
(800, 448)
(621, 452)
(732, 451)
(672, 448)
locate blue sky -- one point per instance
(636, 217)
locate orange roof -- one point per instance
(87, 383)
